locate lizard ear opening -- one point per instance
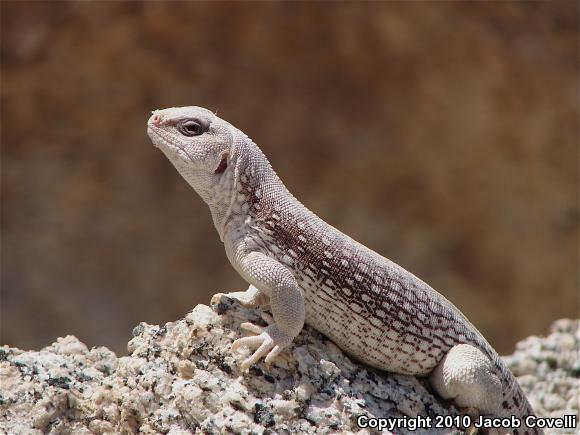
(223, 164)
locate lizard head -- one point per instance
(192, 136)
(196, 141)
(213, 156)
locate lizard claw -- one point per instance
(270, 342)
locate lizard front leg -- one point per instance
(276, 281)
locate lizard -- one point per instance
(307, 271)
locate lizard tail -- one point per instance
(517, 405)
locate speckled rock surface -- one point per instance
(181, 378)
(548, 369)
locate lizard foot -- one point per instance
(251, 298)
(270, 341)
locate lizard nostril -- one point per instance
(155, 120)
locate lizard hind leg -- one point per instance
(465, 374)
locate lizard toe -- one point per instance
(265, 344)
(247, 326)
(271, 342)
(215, 299)
(250, 342)
(273, 354)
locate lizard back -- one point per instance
(368, 305)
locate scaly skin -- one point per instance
(308, 271)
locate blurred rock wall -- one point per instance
(444, 135)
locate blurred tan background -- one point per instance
(444, 135)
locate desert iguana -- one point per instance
(308, 271)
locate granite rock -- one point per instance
(181, 378)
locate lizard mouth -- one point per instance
(161, 141)
(155, 136)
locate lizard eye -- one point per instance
(190, 127)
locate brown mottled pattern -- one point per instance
(389, 318)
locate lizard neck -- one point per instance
(240, 190)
